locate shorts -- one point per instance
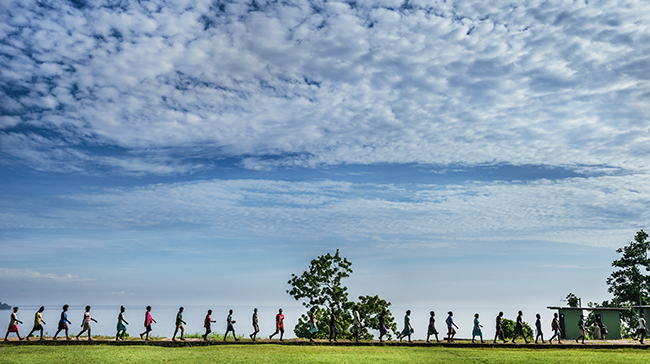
(86, 326)
(281, 329)
(37, 327)
(256, 327)
(13, 328)
(148, 327)
(63, 325)
(208, 330)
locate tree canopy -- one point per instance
(630, 282)
(321, 286)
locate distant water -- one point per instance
(194, 316)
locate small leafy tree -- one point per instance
(572, 300)
(321, 286)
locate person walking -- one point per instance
(207, 323)
(555, 326)
(38, 319)
(63, 323)
(356, 322)
(538, 328)
(476, 331)
(179, 324)
(256, 326)
(431, 330)
(408, 329)
(642, 329)
(313, 328)
(148, 320)
(499, 329)
(581, 328)
(333, 324)
(230, 327)
(382, 325)
(279, 325)
(121, 325)
(519, 328)
(13, 324)
(85, 324)
(450, 326)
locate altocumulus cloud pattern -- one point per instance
(156, 87)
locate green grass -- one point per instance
(309, 354)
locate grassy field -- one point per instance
(309, 354)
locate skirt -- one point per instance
(121, 327)
(432, 330)
(477, 332)
(86, 326)
(13, 328)
(63, 325)
(383, 330)
(313, 328)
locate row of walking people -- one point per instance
(334, 323)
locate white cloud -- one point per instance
(546, 82)
(597, 211)
(11, 273)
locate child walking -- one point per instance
(555, 326)
(279, 325)
(38, 319)
(207, 323)
(256, 326)
(121, 325)
(538, 328)
(476, 331)
(431, 330)
(85, 323)
(148, 320)
(13, 324)
(63, 323)
(230, 327)
(179, 324)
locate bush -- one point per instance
(509, 329)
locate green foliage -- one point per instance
(509, 329)
(321, 284)
(572, 300)
(321, 287)
(322, 322)
(370, 308)
(630, 283)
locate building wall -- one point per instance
(571, 318)
(612, 319)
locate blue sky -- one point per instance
(457, 152)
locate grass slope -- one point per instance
(309, 355)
